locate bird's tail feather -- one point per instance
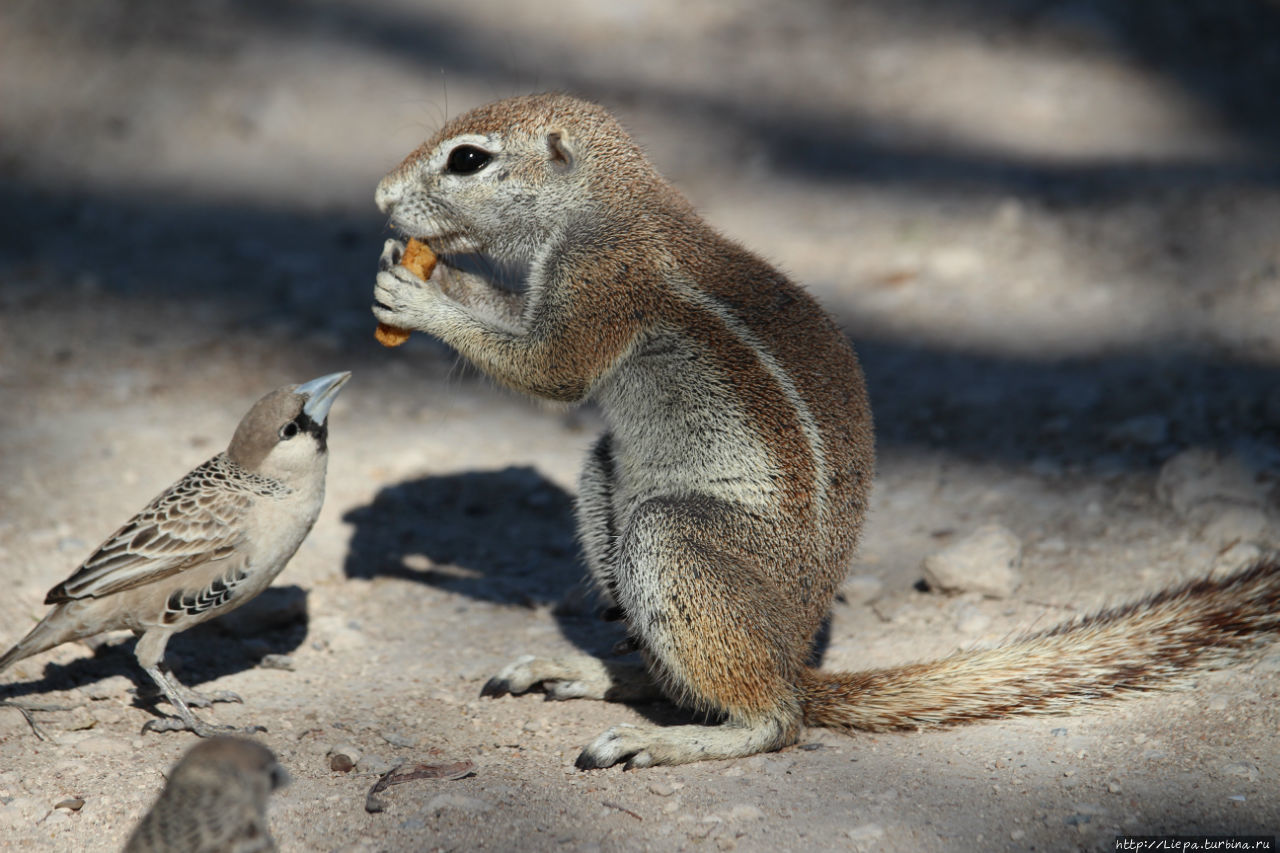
(1146, 645)
(52, 630)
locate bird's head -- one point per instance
(286, 431)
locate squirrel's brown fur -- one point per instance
(720, 510)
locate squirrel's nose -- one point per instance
(387, 195)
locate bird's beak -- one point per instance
(279, 776)
(321, 393)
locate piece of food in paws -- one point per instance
(390, 336)
(419, 260)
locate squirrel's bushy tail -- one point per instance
(1146, 645)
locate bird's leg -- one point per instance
(150, 653)
(195, 699)
(185, 721)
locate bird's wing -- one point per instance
(196, 520)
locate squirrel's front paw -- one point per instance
(392, 251)
(404, 300)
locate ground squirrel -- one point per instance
(720, 510)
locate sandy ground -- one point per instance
(1049, 228)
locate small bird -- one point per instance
(206, 545)
(215, 801)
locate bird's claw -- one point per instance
(205, 700)
(197, 727)
(36, 729)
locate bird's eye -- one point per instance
(467, 160)
(289, 430)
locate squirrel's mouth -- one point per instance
(442, 243)
(457, 252)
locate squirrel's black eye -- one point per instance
(467, 160)
(289, 430)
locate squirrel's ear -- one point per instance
(560, 151)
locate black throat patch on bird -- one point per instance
(320, 432)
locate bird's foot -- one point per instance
(197, 727)
(25, 711)
(205, 700)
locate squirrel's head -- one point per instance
(502, 179)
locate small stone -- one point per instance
(986, 562)
(1113, 787)
(862, 589)
(1195, 477)
(70, 804)
(274, 661)
(1241, 769)
(418, 562)
(343, 757)
(661, 789)
(744, 811)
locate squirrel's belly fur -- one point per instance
(720, 511)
